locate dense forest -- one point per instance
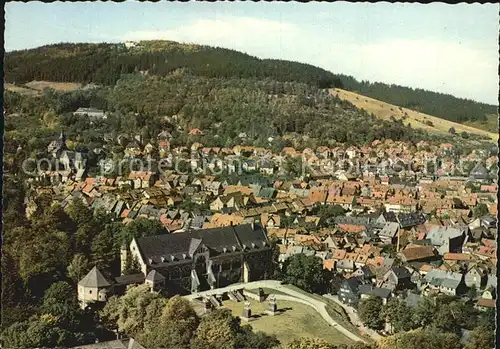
(105, 63)
(291, 114)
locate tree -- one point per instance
(305, 272)
(480, 210)
(327, 212)
(139, 228)
(246, 338)
(308, 343)
(369, 311)
(398, 314)
(103, 249)
(424, 312)
(481, 338)
(127, 313)
(421, 339)
(175, 327)
(78, 267)
(216, 330)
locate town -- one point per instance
(386, 229)
(249, 176)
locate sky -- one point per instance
(440, 47)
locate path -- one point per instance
(319, 306)
(354, 317)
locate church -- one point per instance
(70, 160)
(197, 260)
(187, 262)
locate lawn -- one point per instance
(295, 320)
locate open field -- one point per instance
(21, 90)
(416, 119)
(296, 320)
(58, 86)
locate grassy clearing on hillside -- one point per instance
(21, 90)
(416, 119)
(490, 124)
(58, 86)
(295, 321)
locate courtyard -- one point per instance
(293, 320)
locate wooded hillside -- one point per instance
(105, 63)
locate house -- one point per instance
(348, 291)
(213, 187)
(92, 112)
(345, 266)
(364, 273)
(484, 304)
(397, 278)
(267, 167)
(408, 220)
(366, 291)
(195, 260)
(195, 131)
(270, 220)
(479, 173)
(141, 179)
(133, 149)
(450, 283)
(417, 253)
(386, 217)
(447, 239)
(388, 233)
(474, 276)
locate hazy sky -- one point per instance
(440, 47)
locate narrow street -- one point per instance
(353, 316)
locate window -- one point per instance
(90, 291)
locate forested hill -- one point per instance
(105, 63)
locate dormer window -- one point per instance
(244, 247)
(234, 248)
(150, 261)
(224, 250)
(264, 243)
(184, 256)
(172, 258)
(163, 259)
(253, 245)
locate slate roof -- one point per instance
(94, 279)
(410, 219)
(130, 279)
(353, 220)
(479, 172)
(383, 293)
(389, 230)
(401, 272)
(439, 235)
(181, 245)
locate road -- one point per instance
(354, 317)
(293, 295)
